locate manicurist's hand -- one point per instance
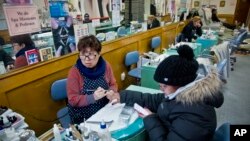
(99, 93)
(113, 97)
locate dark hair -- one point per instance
(23, 39)
(214, 10)
(89, 41)
(2, 42)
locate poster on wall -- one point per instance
(22, 19)
(62, 28)
(80, 31)
(116, 18)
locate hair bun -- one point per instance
(186, 51)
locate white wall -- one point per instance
(229, 8)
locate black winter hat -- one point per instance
(178, 70)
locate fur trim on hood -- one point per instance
(206, 90)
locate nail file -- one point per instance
(139, 109)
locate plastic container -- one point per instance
(104, 132)
(19, 122)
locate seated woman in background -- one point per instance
(21, 43)
(90, 81)
(152, 22)
(216, 19)
(185, 110)
(192, 30)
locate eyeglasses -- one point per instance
(90, 56)
(14, 45)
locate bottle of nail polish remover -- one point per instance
(104, 132)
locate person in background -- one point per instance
(7, 60)
(214, 16)
(21, 43)
(192, 30)
(185, 110)
(90, 81)
(86, 18)
(5, 57)
(152, 9)
(216, 19)
(152, 22)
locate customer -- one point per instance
(153, 22)
(192, 30)
(216, 19)
(21, 43)
(89, 81)
(185, 111)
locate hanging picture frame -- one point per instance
(196, 3)
(222, 3)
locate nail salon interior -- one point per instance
(124, 70)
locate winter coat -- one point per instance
(155, 23)
(6, 58)
(191, 32)
(190, 116)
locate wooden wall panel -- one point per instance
(229, 18)
(27, 90)
(169, 33)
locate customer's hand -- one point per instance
(148, 111)
(99, 93)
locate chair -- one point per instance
(234, 45)
(121, 31)
(220, 68)
(155, 42)
(130, 59)
(179, 38)
(59, 92)
(222, 133)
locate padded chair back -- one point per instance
(131, 58)
(155, 42)
(222, 133)
(221, 65)
(58, 90)
(240, 38)
(121, 31)
(179, 38)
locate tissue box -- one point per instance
(19, 121)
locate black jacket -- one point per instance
(191, 32)
(215, 18)
(155, 23)
(6, 58)
(188, 117)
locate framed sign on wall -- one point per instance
(222, 3)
